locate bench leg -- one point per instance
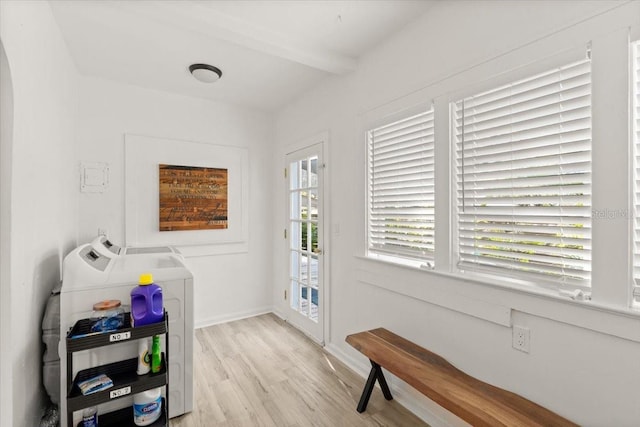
(383, 385)
(374, 374)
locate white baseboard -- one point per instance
(283, 317)
(423, 408)
(359, 367)
(230, 317)
(279, 313)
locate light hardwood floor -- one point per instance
(263, 372)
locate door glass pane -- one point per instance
(296, 234)
(294, 174)
(313, 310)
(295, 265)
(304, 205)
(295, 297)
(314, 272)
(303, 236)
(314, 237)
(313, 174)
(304, 300)
(304, 169)
(304, 273)
(295, 205)
(313, 205)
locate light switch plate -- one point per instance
(94, 177)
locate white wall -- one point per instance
(583, 361)
(227, 286)
(43, 191)
(6, 136)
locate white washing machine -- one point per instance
(104, 246)
(93, 274)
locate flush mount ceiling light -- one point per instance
(205, 73)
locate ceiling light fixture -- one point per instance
(205, 73)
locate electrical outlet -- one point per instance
(521, 338)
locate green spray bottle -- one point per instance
(155, 354)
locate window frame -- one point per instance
(384, 120)
(509, 75)
(634, 153)
(507, 275)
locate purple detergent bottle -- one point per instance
(146, 302)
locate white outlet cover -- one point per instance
(521, 338)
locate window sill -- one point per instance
(493, 299)
(403, 262)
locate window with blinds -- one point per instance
(635, 96)
(523, 164)
(401, 188)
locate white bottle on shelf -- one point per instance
(90, 417)
(147, 407)
(144, 358)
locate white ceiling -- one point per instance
(269, 51)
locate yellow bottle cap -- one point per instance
(146, 279)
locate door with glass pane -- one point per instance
(305, 292)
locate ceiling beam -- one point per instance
(207, 21)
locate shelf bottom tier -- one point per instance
(124, 418)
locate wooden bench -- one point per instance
(476, 402)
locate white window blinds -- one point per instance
(401, 187)
(635, 96)
(523, 163)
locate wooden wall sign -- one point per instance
(192, 198)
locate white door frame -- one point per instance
(321, 139)
(6, 142)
